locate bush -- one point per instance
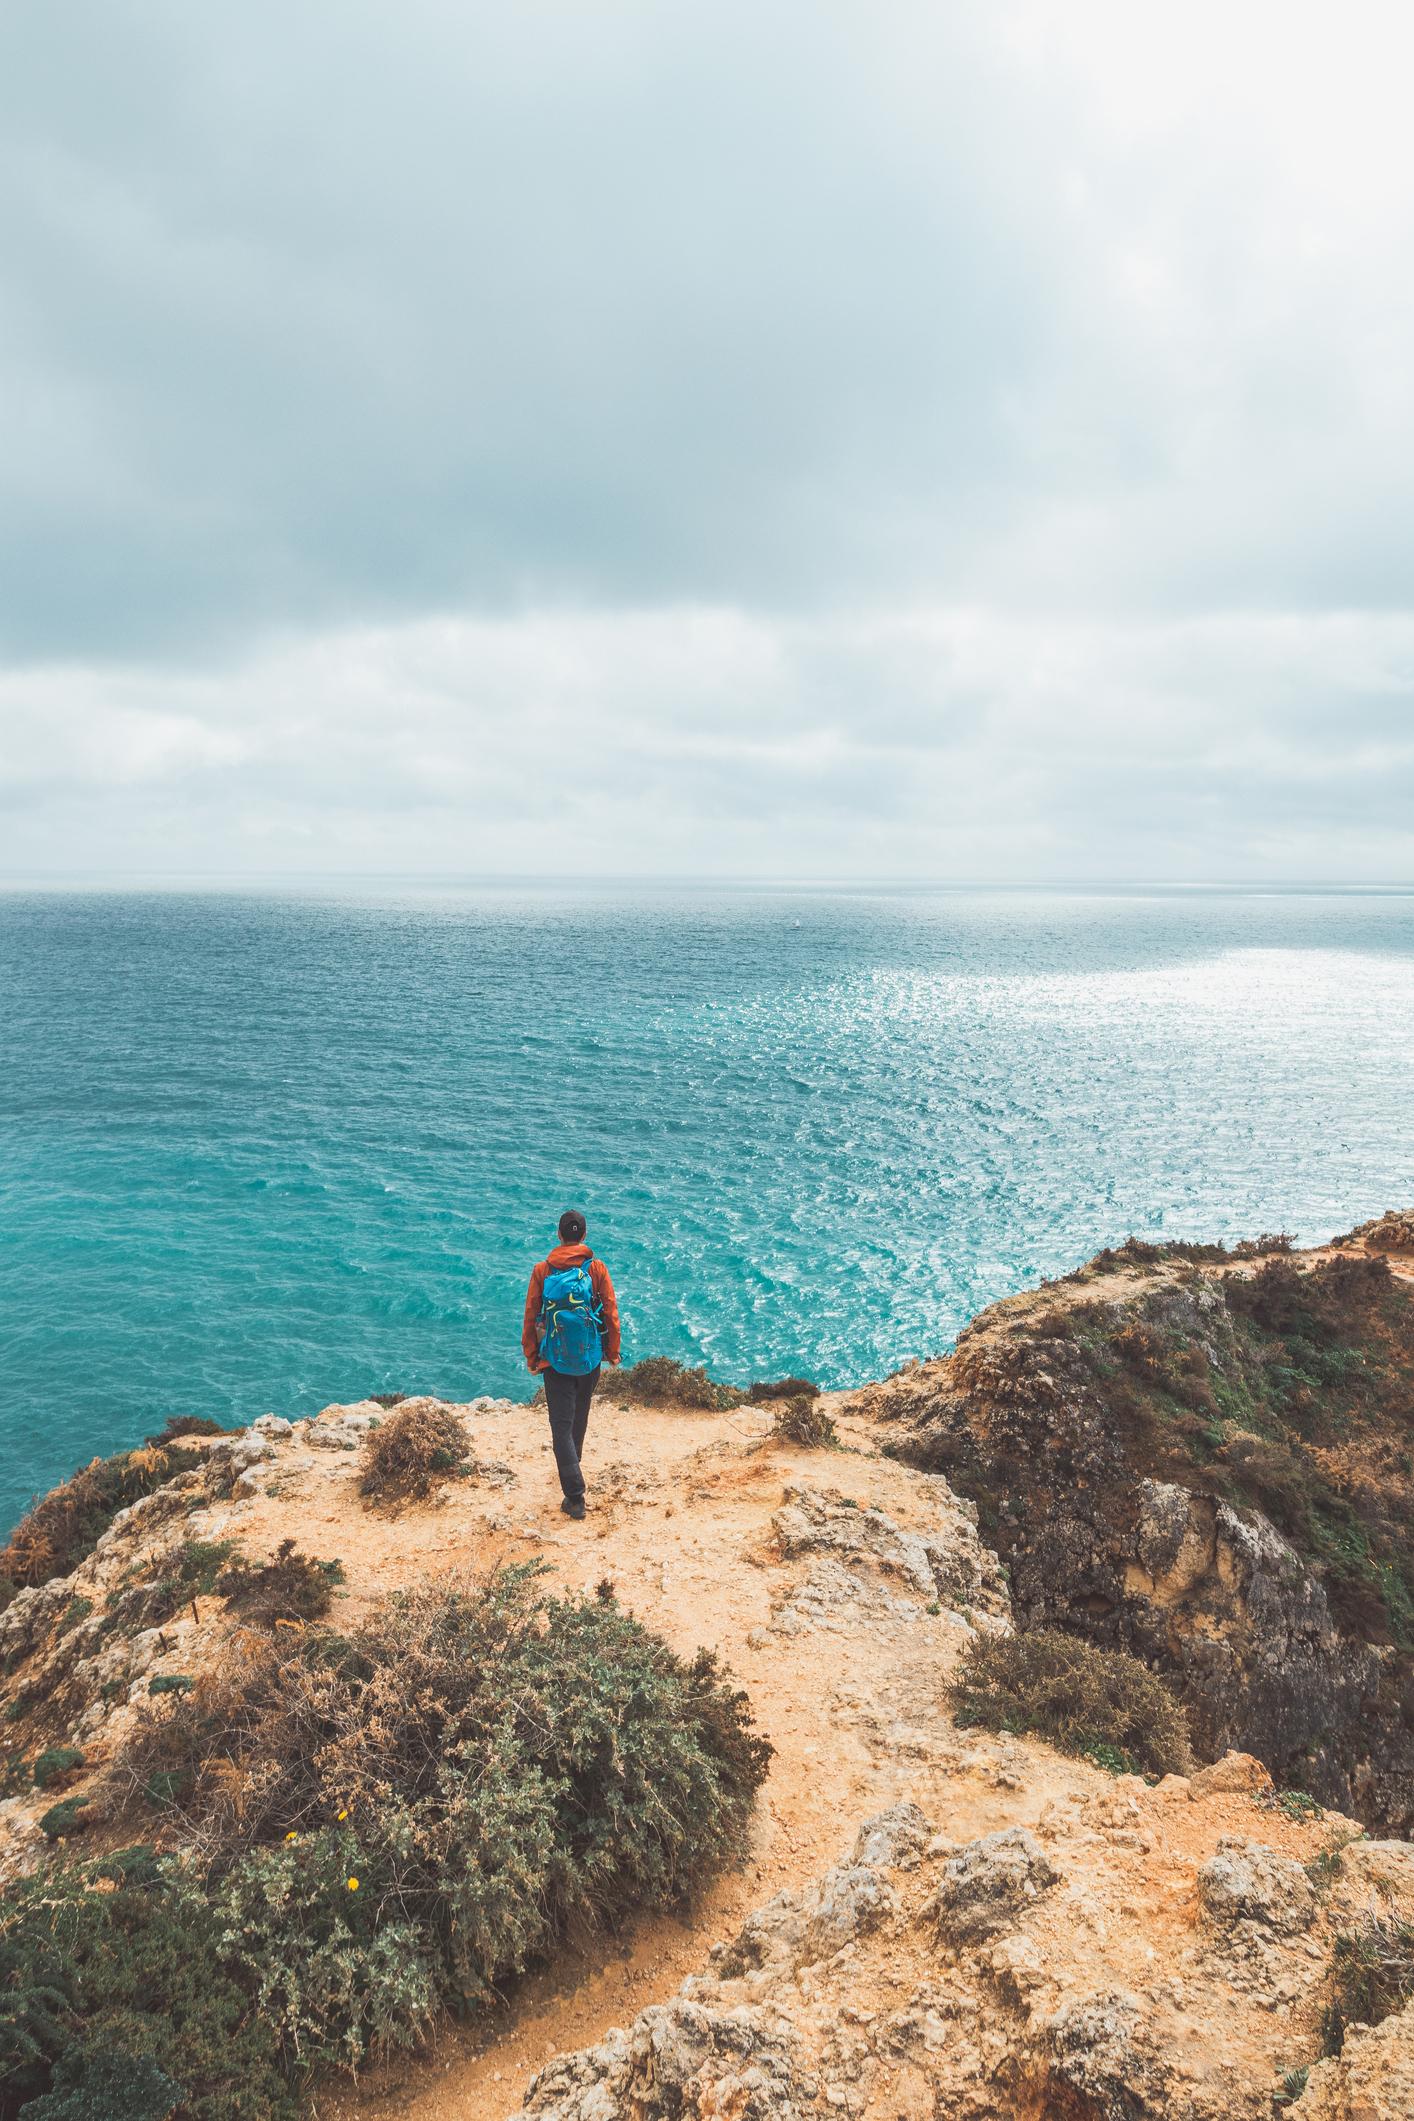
(290, 1586)
(64, 1526)
(801, 1421)
(495, 1768)
(176, 1577)
(111, 1981)
(64, 1818)
(1373, 1970)
(658, 1381)
(1100, 1703)
(54, 1763)
(186, 1425)
(406, 1457)
(782, 1388)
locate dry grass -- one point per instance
(65, 1526)
(802, 1421)
(1102, 1704)
(658, 1381)
(407, 1457)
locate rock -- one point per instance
(340, 1428)
(678, 2061)
(851, 1900)
(251, 1451)
(1371, 2079)
(1234, 1774)
(797, 1928)
(272, 1425)
(1244, 1882)
(987, 1884)
(892, 1840)
(1107, 1513)
(1100, 2068)
(1384, 1869)
(949, 1564)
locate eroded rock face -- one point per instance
(1244, 1882)
(1371, 2079)
(835, 1999)
(1100, 1428)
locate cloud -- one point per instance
(957, 441)
(959, 743)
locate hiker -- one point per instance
(571, 1325)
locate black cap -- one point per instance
(572, 1227)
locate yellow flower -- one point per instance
(353, 1885)
(292, 1837)
(344, 1814)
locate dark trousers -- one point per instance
(567, 1399)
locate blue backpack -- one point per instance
(572, 1340)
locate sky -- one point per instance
(788, 439)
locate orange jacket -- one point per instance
(569, 1256)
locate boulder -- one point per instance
(1236, 1774)
(989, 1883)
(1100, 2066)
(678, 2061)
(1244, 1882)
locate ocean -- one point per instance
(259, 1152)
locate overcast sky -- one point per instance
(788, 438)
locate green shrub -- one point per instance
(802, 1421)
(658, 1381)
(1372, 1970)
(170, 1683)
(1100, 1703)
(496, 1767)
(64, 1526)
(63, 1819)
(406, 1457)
(96, 2084)
(290, 1586)
(334, 1971)
(111, 1979)
(53, 1763)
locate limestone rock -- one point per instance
(1244, 1882)
(989, 1883)
(679, 2061)
(1101, 2067)
(851, 1549)
(1371, 2079)
(894, 1839)
(1234, 1773)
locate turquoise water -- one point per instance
(264, 1153)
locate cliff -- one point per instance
(1208, 1459)
(931, 1917)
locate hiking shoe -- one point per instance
(573, 1505)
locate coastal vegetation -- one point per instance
(1102, 1705)
(419, 1445)
(338, 1835)
(65, 1526)
(804, 1421)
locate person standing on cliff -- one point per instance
(571, 1326)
